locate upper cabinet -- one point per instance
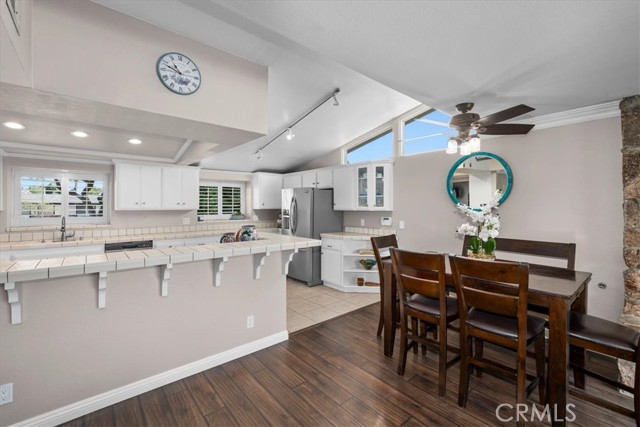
(180, 187)
(267, 190)
(318, 178)
(367, 187)
(343, 193)
(155, 187)
(292, 180)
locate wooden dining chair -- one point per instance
(425, 306)
(380, 246)
(612, 339)
(492, 301)
(563, 251)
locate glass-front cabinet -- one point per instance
(373, 183)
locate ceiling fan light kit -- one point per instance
(470, 126)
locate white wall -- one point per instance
(15, 48)
(87, 51)
(567, 188)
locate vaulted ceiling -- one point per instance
(389, 56)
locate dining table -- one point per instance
(557, 290)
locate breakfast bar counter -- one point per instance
(109, 326)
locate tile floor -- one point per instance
(307, 306)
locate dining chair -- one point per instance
(422, 297)
(563, 251)
(612, 339)
(380, 246)
(492, 301)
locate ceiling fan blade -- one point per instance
(503, 115)
(506, 129)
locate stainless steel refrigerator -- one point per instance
(307, 212)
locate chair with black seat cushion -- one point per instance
(492, 301)
(380, 246)
(422, 296)
(602, 336)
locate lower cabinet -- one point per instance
(340, 266)
(331, 263)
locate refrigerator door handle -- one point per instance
(294, 216)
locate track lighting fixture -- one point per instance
(289, 130)
(290, 134)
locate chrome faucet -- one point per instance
(63, 231)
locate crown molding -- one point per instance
(579, 115)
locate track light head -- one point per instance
(290, 134)
(335, 100)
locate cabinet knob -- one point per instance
(144, 203)
(177, 203)
(183, 203)
(136, 203)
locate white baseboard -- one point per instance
(92, 404)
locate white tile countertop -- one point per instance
(50, 267)
(347, 236)
(102, 264)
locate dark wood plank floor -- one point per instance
(334, 374)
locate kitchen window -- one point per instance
(426, 132)
(43, 197)
(220, 200)
(380, 147)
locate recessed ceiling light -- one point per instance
(14, 125)
(79, 134)
(135, 141)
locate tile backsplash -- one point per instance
(94, 231)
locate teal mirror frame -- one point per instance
(461, 160)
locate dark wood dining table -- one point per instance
(559, 290)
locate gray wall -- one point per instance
(67, 350)
(567, 188)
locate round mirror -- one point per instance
(473, 179)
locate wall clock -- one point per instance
(178, 73)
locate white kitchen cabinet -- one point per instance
(180, 188)
(343, 194)
(331, 262)
(318, 178)
(374, 186)
(340, 266)
(292, 180)
(309, 179)
(266, 190)
(138, 187)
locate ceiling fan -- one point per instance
(470, 126)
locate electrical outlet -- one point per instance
(250, 322)
(6, 393)
(362, 222)
(186, 221)
(401, 225)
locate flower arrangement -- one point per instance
(484, 227)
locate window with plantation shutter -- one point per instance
(44, 196)
(220, 200)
